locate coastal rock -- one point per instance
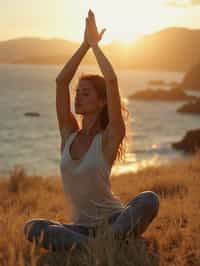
(191, 107)
(174, 84)
(31, 114)
(191, 80)
(190, 142)
(174, 94)
(156, 82)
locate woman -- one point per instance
(88, 154)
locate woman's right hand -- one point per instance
(85, 33)
(91, 34)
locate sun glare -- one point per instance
(128, 20)
(125, 21)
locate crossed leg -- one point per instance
(137, 215)
(56, 236)
(135, 218)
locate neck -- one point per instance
(90, 124)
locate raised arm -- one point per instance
(113, 95)
(68, 71)
(116, 125)
(66, 120)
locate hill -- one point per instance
(171, 49)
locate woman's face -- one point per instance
(86, 99)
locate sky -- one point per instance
(124, 20)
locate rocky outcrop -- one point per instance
(191, 107)
(175, 94)
(160, 82)
(156, 82)
(191, 80)
(174, 83)
(190, 142)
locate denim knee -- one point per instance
(28, 226)
(153, 201)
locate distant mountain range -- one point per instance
(171, 49)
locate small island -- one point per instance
(160, 82)
(174, 94)
(174, 83)
(156, 82)
(190, 142)
(31, 114)
(191, 107)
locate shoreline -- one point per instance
(117, 172)
(94, 65)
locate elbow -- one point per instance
(59, 81)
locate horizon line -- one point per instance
(110, 42)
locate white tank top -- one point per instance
(86, 183)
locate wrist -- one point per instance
(85, 44)
(94, 45)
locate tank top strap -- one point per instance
(92, 150)
(69, 140)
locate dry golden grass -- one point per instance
(173, 238)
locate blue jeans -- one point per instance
(135, 218)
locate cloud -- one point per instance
(182, 3)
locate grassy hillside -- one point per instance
(171, 239)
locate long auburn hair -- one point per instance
(100, 87)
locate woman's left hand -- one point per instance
(92, 35)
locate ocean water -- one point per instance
(34, 142)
